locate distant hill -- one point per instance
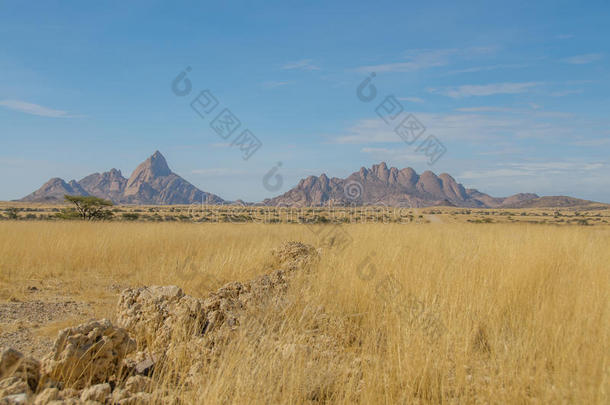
(392, 187)
(151, 183)
(557, 202)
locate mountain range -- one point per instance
(153, 183)
(393, 187)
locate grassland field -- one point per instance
(432, 311)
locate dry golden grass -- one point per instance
(476, 313)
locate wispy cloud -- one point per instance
(593, 142)
(395, 155)
(535, 169)
(418, 59)
(493, 173)
(487, 68)
(218, 172)
(411, 99)
(563, 93)
(34, 109)
(274, 84)
(486, 109)
(487, 125)
(583, 59)
(415, 60)
(471, 90)
(564, 36)
(303, 64)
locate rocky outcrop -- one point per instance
(381, 185)
(152, 182)
(98, 362)
(87, 354)
(109, 185)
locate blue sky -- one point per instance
(517, 92)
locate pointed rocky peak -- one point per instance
(115, 173)
(157, 165)
(428, 175)
(324, 180)
(429, 183)
(407, 177)
(447, 177)
(381, 171)
(149, 170)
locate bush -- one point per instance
(11, 213)
(130, 216)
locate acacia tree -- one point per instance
(90, 207)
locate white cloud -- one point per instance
(274, 84)
(575, 177)
(486, 125)
(486, 109)
(563, 93)
(411, 99)
(475, 69)
(303, 64)
(219, 171)
(470, 90)
(493, 173)
(395, 155)
(34, 109)
(416, 59)
(593, 142)
(583, 59)
(564, 36)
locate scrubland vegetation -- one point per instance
(393, 313)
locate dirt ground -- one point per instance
(31, 317)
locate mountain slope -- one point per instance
(109, 185)
(54, 191)
(389, 186)
(556, 202)
(152, 182)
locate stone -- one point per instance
(16, 399)
(47, 395)
(87, 354)
(137, 384)
(14, 363)
(12, 386)
(98, 392)
(146, 366)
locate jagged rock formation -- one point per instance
(154, 183)
(109, 185)
(151, 183)
(98, 362)
(388, 186)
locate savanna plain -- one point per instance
(435, 312)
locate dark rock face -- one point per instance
(381, 185)
(151, 183)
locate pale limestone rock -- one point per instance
(87, 354)
(46, 396)
(138, 383)
(98, 392)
